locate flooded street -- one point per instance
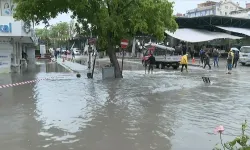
(166, 110)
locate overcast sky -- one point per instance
(180, 6)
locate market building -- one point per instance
(221, 32)
(15, 37)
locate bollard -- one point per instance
(78, 75)
(89, 75)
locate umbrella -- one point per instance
(235, 49)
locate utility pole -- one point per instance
(47, 42)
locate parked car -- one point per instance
(244, 55)
(76, 51)
(164, 56)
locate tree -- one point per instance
(59, 33)
(43, 35)
(111, 20)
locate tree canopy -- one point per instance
(111, 20)
(118, 18)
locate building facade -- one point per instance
(222, 8)
(15, 37)
(243, 13)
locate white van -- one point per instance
(244, 55)
(164, 56)
(76, 51)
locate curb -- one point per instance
(65, 66)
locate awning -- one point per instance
(244, 31)
(197, 35)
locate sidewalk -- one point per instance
(71, 66)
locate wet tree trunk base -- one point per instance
(114, 61)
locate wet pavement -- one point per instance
(162, 111)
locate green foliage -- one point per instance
(239, 143)
(111, 20)
(56, 35)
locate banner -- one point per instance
(7, 7)
(42, 49)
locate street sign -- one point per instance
(124, 43)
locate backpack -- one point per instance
(215, 53)
(237, 55)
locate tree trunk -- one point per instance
(114, 61)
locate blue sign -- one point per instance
(6, 28)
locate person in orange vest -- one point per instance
(184, 62)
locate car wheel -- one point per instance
(175, 67)
(243, 64)
(160, 66)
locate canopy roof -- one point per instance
(198, 35)
(208, 22)
(244, 31)
(160, 46)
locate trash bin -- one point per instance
(101, 55)
(108, 72)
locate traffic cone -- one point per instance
(193, 61)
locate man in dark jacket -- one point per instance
(236, 58)
(207, 61)
(202, 56)
(151, 62)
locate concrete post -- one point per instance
(133, 48)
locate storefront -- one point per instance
(15, 38)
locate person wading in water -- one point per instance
(151, 63)
(184, 62)
(202, 55)
(207, 61)
(216, 57)
(236, 58)
(230, 59)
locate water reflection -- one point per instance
(166, 110)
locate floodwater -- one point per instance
(166, 110)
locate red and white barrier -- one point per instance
(22, 83)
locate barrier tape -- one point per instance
(22, 83)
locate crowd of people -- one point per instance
(232, 59)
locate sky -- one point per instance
(180, 6)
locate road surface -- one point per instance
(162, 111)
